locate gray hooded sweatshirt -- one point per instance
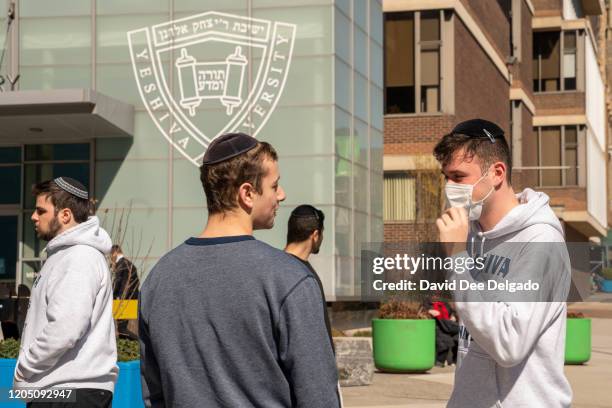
(68, 338)
(513, 355)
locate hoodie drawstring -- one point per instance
(463, 333)
(481, 243)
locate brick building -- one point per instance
(535, 67)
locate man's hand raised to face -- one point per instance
(453, 227)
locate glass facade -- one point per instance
(327, 125)
(20, 168)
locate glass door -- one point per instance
(8, 247)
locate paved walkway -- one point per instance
(591, 383)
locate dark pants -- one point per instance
(124, 332)
(85, 398)
(447, 340)
(122, 327)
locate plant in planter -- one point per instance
(127, 350)
(605, 282)
(404, 337)
(9, 348)
(354, 359)
(577, 339)
(128, 392)
(363, 333)
(9, 351)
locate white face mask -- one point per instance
(460, 195)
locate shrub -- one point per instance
(401, 309)
(128, 350)
(9, 348)
(363, 333)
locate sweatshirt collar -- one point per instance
(219, 240)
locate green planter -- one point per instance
(404, 345)
(578, 341)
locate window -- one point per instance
(10, 175)
(401, 201)
(554, 61)
(8, 247)
(569, 60)
(430, 61)
(516, 46)
(20, 168)
(412, 62)
(557, 156)
(399, 63)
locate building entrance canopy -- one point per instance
(62, 114)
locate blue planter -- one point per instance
(128, 393)
(7, 370)
(606, 285)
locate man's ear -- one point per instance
(499, 173)
(246, 195)
(65, 216)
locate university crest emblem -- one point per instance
(209, 74)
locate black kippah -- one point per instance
(227, 146)
(72, 186)
(479, 128)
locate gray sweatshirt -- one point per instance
(233, 322)
(68, 337)
(513, 355)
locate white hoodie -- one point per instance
(68, 338)
(514, 354)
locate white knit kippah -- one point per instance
(72, 186)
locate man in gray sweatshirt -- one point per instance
(226, 320)
(511, 350)
(68, 339)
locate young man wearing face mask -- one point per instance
(514, 352)
(68, 338)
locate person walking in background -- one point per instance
(447, 329)
(69, 335)
(304, 237)
(226, 320)
(125, 275)
(125, 284)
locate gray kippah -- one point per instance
(72, 186)
(227, 146)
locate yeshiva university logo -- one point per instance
(209, 74)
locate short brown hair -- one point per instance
(81, 208)
(221, 181)
(487, 152)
